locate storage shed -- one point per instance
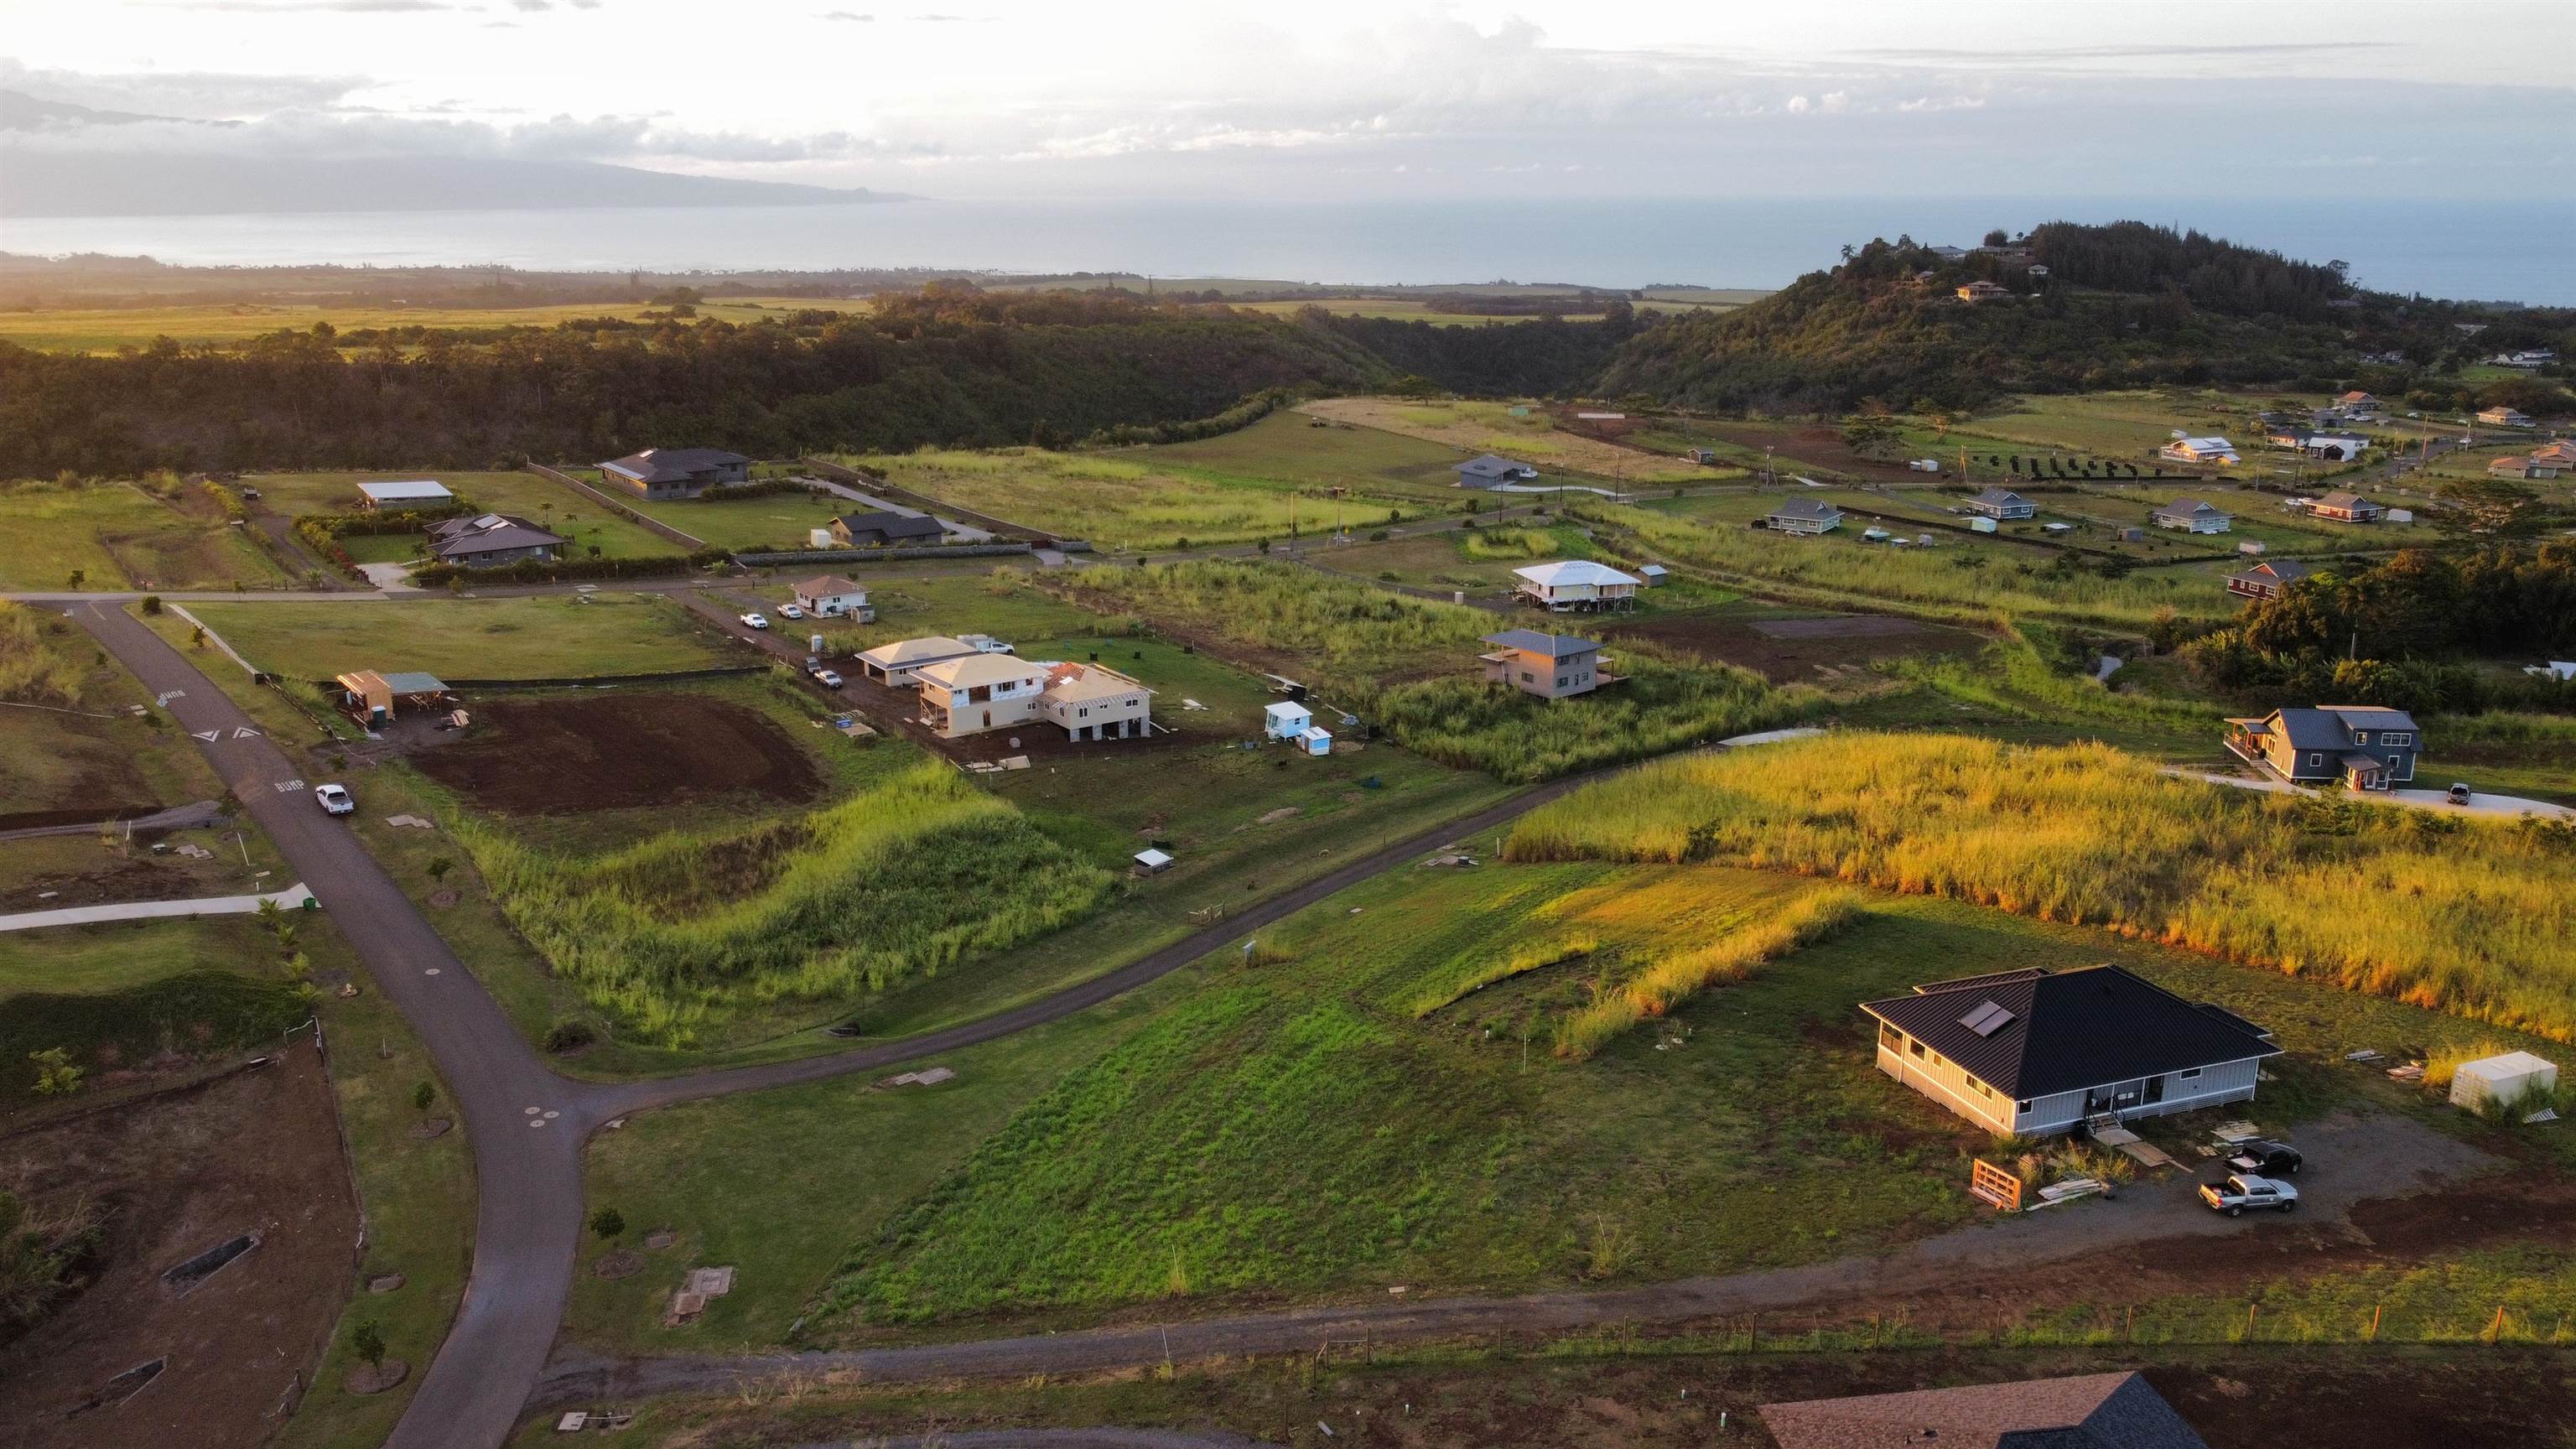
(1153, 862)
(2507, 1079)
(1318, 741)
(1286, 720)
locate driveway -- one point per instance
(2481, 803)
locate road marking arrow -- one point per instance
(244, 732)
(209, 736)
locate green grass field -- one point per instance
(106, 329)
(1291, 448)
(776, 520)
(1530, 435)
(541, 501)
(548, 637)
(1132, 499)
(121, 535)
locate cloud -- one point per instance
(292, 7)
(848, 16)
(1797, 106)
(194, 95)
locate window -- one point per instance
(1915, 1047)
(2188, 1074)
(2361, 737)
(1981, 1088)
(2022, 1106)
(1889, 1036)
(2396, 737)
(1085, 711)
(1528, 678)
(1561, 681)
(2315, 760)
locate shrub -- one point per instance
(569, 1036)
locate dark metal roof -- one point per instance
(2313, 729)
(1998, 495)
(2280, 569)
(673, 465)
(1805, 508)
(892, 525)
(2092, 1411)
(1530, 641)
(1489, 466)
(2372, 716)
(2070, 1030)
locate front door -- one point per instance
(2155, 1089)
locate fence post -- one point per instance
(2375, 1310)
(2251, 1309)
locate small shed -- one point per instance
(1286, 720)
(2399, 515)
(1153, 862)
(1318, 741)
(1655, 575)
(1982, 524)
(2505, 1079)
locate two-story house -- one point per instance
(1094, 702)
(1551, 666)
(982, 692)
(2365, 746)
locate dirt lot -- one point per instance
(258, 1152)
(1789, 650)
(614, 750)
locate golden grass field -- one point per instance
(1482, 427)
(105, 329)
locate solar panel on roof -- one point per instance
(1986, 1020)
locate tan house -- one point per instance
(2504, 418)
(900, 662)
(1984, 292)
(2523, 466)
(1093, 702)
(2558, 454)
(369, 696)
(834, 597)
(2344, 507)
(1551, 666)
(978, 693)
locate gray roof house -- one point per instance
(2032, 1052)
(675, 472)
(2001, 503)
(2365, 746)
(874, 530)
(488, 540)
(1804, 515)
(1550, 666)
(1489, 471)
(2091, 1411)
(2192, 515)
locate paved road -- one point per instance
(2402, 1156)
(292, 899)
(196, 816)
(526, 1124)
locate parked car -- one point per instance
(2265, 1158)
(755, 621)
(250, 494)
(790, 611)
(335, 800)
(828, 678)
(2243, 1190)
(2459, 794)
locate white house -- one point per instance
(1804, 515)
(832, 596)
(2032, 1052)
(1095, 702)
(1286, 721)
(979, 692)
(1577, 584)
(2191, 515)
(2000, 503)
(2205, 452)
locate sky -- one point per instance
(1329, 98)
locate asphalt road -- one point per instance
(526, 1124)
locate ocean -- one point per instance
(2514, 250)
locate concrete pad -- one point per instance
(292, 899)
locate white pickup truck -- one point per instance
(2242, 1190)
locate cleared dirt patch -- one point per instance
(180, 1173)
(616, 751)
(1785, 650)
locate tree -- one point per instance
(1998, 237)
(422, 1095)
(367, 1341)
(607, 1223)
(197, 636)
(56, 1076)
(79, 577)
(1871, 436)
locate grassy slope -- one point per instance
(121, 536)
(523, 638)
(54, 760)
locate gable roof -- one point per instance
(1998, 495)
(891, 524)
(1490, 466)
(2312, 729)
(2090, 1411)
(2343, 499)
(1572, 572)
(1531, 641)
(1806, 508)
(2371, 716)
(672, 465)
(2280, 570)
(2070, 1030)
(2189, 508)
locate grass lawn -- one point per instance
(93, 753)
(771, 521)
(1291, 448)
(550, 637)
(1490, 427)
(1481, 561)
(121, 535)
(105, 329)
(1133, 499)
(1323, 1125)
(541, 501)
(778, 1184)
